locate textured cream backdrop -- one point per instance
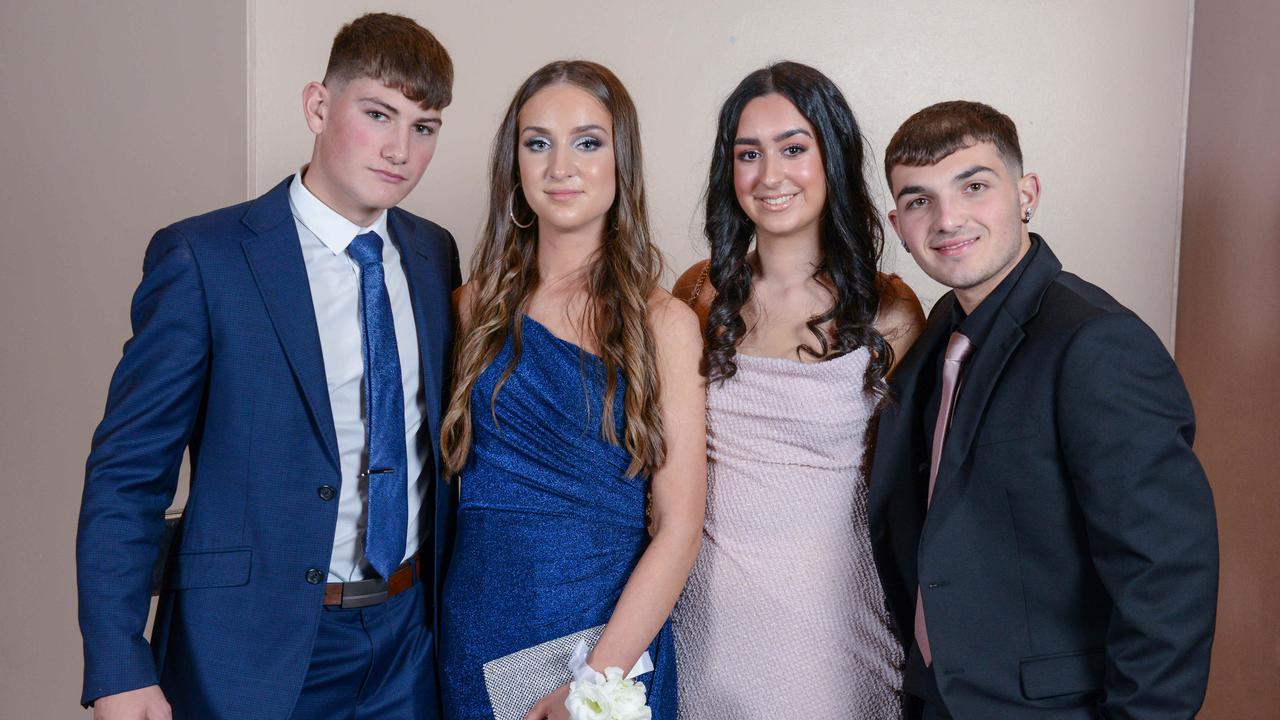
(1097, 88)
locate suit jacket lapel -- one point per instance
(429, 290)
(421, 272)
(975, 390)
(984, 372)
(275, 259)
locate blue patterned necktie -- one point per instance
(384, 417)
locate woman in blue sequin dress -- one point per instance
(575, 427)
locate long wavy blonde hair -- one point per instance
(620, 279)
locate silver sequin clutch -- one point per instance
(516, 682)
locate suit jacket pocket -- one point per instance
(210, 569)
(1008, 429)
(1046, 676)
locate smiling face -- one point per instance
(372, 146)
(777, 168)
(961, 219)
(566, 159)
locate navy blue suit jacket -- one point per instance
(225, 361)
(1069, 559)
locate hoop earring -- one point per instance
(511, 207)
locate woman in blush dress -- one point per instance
(577, 394)
(784, 614)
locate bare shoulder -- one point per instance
(674, 324)
(900, 314)
(900, 319)
(462, 304)
(694, 288)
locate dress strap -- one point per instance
(697, 286)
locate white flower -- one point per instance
(607, 697)
(589, 700)
(628, 702)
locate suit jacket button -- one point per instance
(922, 468)
(326, 492)
(314, 576)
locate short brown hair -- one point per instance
(397, 52)
(939, 130)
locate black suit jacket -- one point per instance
(1069, 562)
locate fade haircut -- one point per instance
(398, 53)
(939, 130)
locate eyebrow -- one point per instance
(382, 104)
(915, 189)
(909, 190)
(973, 171)
(395, 113)
(776, 138)
(575, 131)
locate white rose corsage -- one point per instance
(607, 696)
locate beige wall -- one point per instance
(117, 119)
(1229, 334)
(1097, 88)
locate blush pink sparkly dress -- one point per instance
(784, 615)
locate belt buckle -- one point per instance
(363, 593)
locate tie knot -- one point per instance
(958, 348)
(366, 249)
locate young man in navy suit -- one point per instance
(296, 345)
(1045, 535)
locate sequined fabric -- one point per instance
(549, 528)
(784, 615)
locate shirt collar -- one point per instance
(977, 325)
(335, 231)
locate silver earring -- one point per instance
(1026, 216)
(511, 207)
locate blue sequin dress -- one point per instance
(549, 527)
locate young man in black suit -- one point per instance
(1045, 534)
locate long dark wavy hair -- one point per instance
(621, 277)
(851, 236)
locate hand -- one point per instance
(146, 703)
(551, 707)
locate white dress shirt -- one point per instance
(335, 292)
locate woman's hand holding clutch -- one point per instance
(551, 706)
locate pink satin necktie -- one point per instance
(958, 349)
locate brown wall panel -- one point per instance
(1228, 332)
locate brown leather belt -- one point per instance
(363, 593)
